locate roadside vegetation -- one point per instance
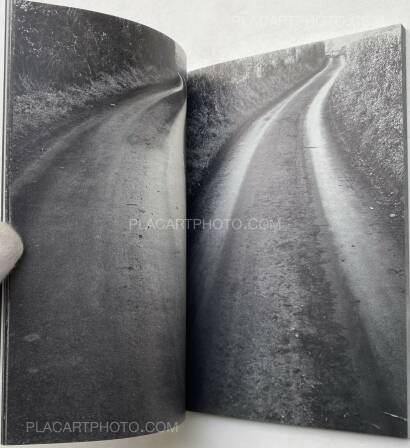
(222, 97)
(65, 61)
(366, 110)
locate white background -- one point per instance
(213, 31)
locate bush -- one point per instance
(366, 105)
(64, 61)
(222, 97)
(55, 47)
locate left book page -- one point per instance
(94, 314)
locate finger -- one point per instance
(11, 249)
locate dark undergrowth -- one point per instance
(366, 111)
(65, 62)
(222, 97)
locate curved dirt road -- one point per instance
(98, 300)
(284, 326)
(369, 257)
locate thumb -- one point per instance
(11, 249)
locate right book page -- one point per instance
(297, 199)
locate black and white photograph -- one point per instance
(96, 307)
(297, 186)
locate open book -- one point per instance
(229, 241)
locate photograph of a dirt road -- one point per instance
(296, 264)
(96, 310)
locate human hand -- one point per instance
(11, 249)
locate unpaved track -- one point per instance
(280, 328)
(97, 306)
(368, 263)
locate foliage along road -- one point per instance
(303, 322)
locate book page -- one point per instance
(297, 196)
(95, 311)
